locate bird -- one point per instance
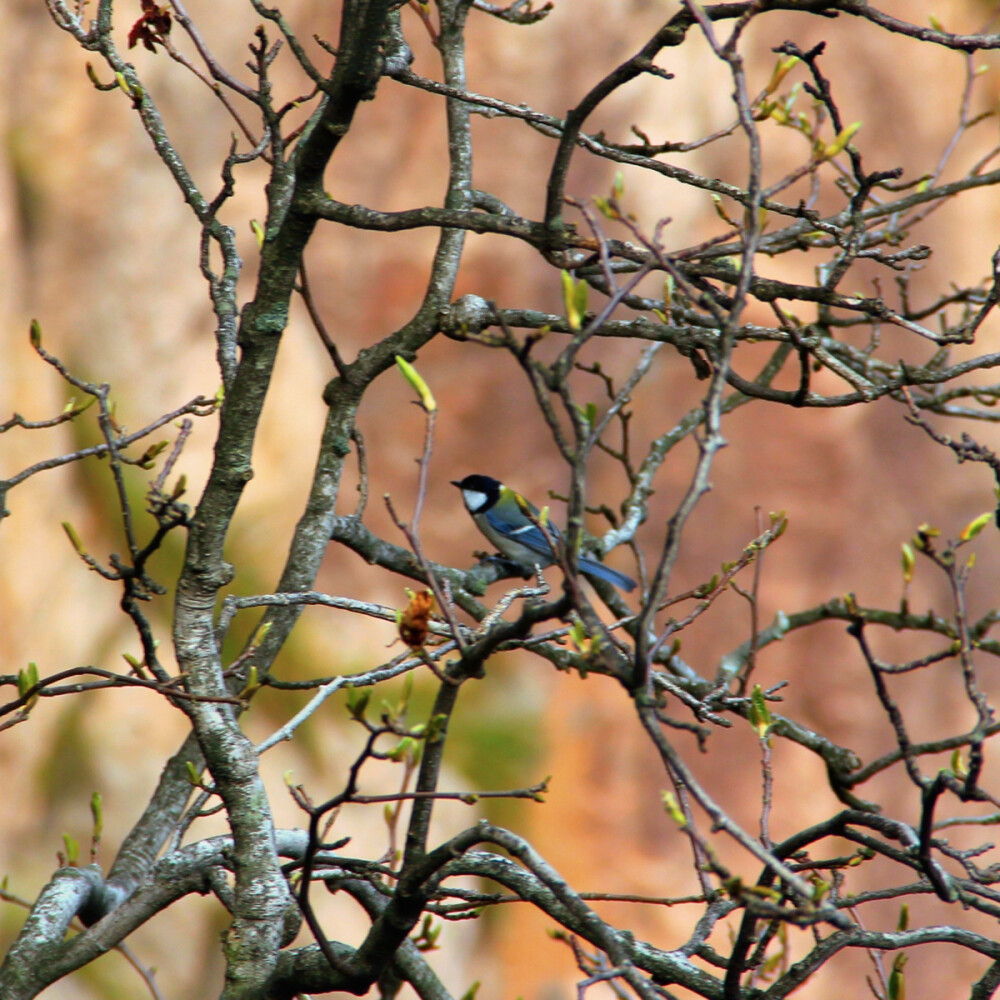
(499, 513)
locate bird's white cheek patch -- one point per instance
(474, 499)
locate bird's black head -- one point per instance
(479, 492)
(481, 484)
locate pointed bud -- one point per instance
(97, 813)
(417, 384)
(839, 144)
(74, 539)
(673, 809)
(909, 562)
(975, 526)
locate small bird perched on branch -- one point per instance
(502, 515)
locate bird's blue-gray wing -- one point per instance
(527, 535)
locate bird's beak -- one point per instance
(455, 482)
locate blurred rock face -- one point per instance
(98, 245)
